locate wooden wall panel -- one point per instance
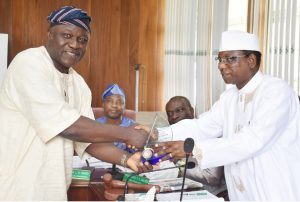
(147, 47)
(124, 33)
(5, 20)
(160, 62)
(151, 54)
(113, 46)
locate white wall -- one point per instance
(3, 55)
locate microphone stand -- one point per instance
(184, 174)
(188, 148)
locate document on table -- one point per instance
(175, 184)
(202, 195)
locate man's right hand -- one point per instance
(154, 134)
(136, 138)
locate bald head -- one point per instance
(179, 108)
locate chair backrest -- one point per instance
(99, 111)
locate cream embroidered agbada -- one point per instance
(35, 162)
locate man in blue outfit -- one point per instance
(114, 99)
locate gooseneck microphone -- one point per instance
(188, 149)
(188, 165)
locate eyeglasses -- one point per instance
(229, 60)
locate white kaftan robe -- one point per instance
(37, 102)
(254, 133)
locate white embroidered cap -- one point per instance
(238, 40)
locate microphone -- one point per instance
(188, 165)
(188, 148)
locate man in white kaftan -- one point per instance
(37, 153)
(259, 143)
(253, 129)
(45, 111)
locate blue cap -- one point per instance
(112, 89)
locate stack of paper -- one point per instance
(174, 184)
(202, 195)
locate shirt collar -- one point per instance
(252, 84)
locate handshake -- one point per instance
(152, 145)
(151, 150)
(158, 146)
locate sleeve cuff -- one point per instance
(80, 148)
(197, 154)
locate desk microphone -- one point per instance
(189, 165)
(188, 148)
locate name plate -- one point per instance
(81, 174)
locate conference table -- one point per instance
(93, 189)
(84, 190)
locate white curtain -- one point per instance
(193, 31)
(180, 49)
(282, 41)
(212, 21)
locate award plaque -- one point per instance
(160, 131)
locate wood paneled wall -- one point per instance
(124, 33)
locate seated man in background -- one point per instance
(114, 99)
(114, 104)
(177, 109)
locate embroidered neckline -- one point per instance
(65, 86)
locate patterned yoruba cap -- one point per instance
(112, 89)
(70, 15)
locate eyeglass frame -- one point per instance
(226, 60)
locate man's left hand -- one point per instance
(173, 149)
